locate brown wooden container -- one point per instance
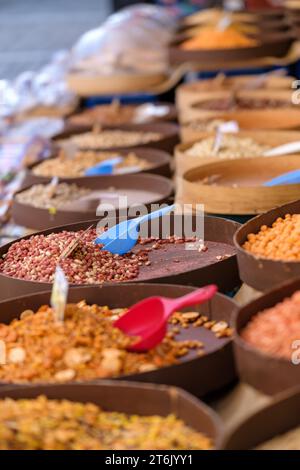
(184, 162)
(281, 416)
(87, 84)
(267, 373)
(269, 120)
(189, 269)
(88, 119)
(168, 131)
(153, 189)
(261, 273)
(197, 110)
(125, 397)
(272, 45)
(199, 375)
(189, 93)
(239, 189)
(159, 163)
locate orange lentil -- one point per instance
(281, 241)
(274, 330)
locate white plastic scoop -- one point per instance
(285, 149)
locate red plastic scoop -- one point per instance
(148, 319)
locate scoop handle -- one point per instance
(194, 298)
(153, 215)
(285, 149)
(292, 177)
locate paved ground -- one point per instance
(31, 30)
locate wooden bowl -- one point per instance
(275, 44)
(159, 163)
(261, 273)
(198, 111)
(85, 85)
(184, 162)
(239, 190)
(149, 189)
(218, 351)
(188, 94)
(168, 135)
(216, 265)
(267, 373)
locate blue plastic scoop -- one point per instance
(104, 168)
(292, 177)
(121, 238)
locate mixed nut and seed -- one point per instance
(86, 345)
(47, 197)
(44, 424)
(63, 166)
(106, 139)
(231, 147)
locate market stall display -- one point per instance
(80, 171)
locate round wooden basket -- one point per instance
(238, 186)
(190, 93)
(194, 112)
(184, 162)
(89, 85)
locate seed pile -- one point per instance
(279, 242)
(36, 258)
(211, 37)
(65, 167)
(45, 197)
(87, 346)
(113, 138)
(107, 114)
(274, 329)
(231, 147)
(43, 424)
(236, 102)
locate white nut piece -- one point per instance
(17, 355)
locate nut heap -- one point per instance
(279, 242)
(45, 197)
(87, 345)
(234, 103)
(43, 424)
(66, 167)
(36, 258)
(231, 147)
(274, 330)
(113, 138)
